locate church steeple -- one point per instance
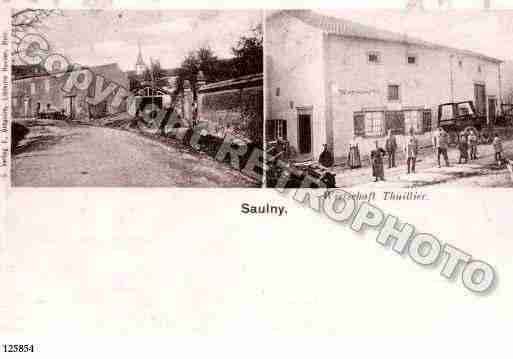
(139, 65)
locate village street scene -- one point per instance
(116, 97)
(389, 98)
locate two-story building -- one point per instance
(37, 91)
(329, 79)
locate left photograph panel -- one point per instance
(115, 98)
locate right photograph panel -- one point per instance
(388, 98)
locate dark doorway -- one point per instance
(305, 133)
(492, 108)
(480, 98)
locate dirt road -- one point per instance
(63, 155)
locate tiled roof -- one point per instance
(344, 27)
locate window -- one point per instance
(374, 123)
(393, 92)
(47, 85)
(464, 109)
(413, 119)
(281, 129)
(378, 123)
(32, 88)
(277, 91)
(276, 129)
(426, 120)
(374, 57)
(412, 60)
(447, 112)
(480, 69)
(460, 63)
(15, 101)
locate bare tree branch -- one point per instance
(29, 20)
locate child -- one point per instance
(497, 146)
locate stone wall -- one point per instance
(233, 107)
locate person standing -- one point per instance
(391, 147)
(472, 143)
(353, 158)
(497, 147)
(411, 148)
(440, 144)
(463, 147)
(376, 156)
(326, 158)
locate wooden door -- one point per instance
(305, 133)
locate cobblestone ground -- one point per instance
(57, 154)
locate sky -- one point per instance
(96, 37)
(487, 32)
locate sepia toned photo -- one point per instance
(391, 98)
(143, 98)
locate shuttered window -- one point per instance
(393, 92)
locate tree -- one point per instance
(207, 63)
(29, 21)
(249, 53)
(155, 74)
(203, 60)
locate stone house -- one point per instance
(329, 79)
(36, 92)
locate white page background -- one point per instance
(183, 264)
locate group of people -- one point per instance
(467, 145)
(411, 148)
(467, 142)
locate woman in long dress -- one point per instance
(378, 170)
(353, 158)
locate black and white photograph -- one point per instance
(390, 98)
(143, 98)
(256, 180)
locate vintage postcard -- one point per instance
(184, 180)
(154, 99)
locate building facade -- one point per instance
(39, 92)
(329, 80)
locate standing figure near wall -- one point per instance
(440, 145)
(391, 147)
(497, 148)
(411, 149)
(472, 143)
(463, 147)
(353, 158)
(376, 156)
